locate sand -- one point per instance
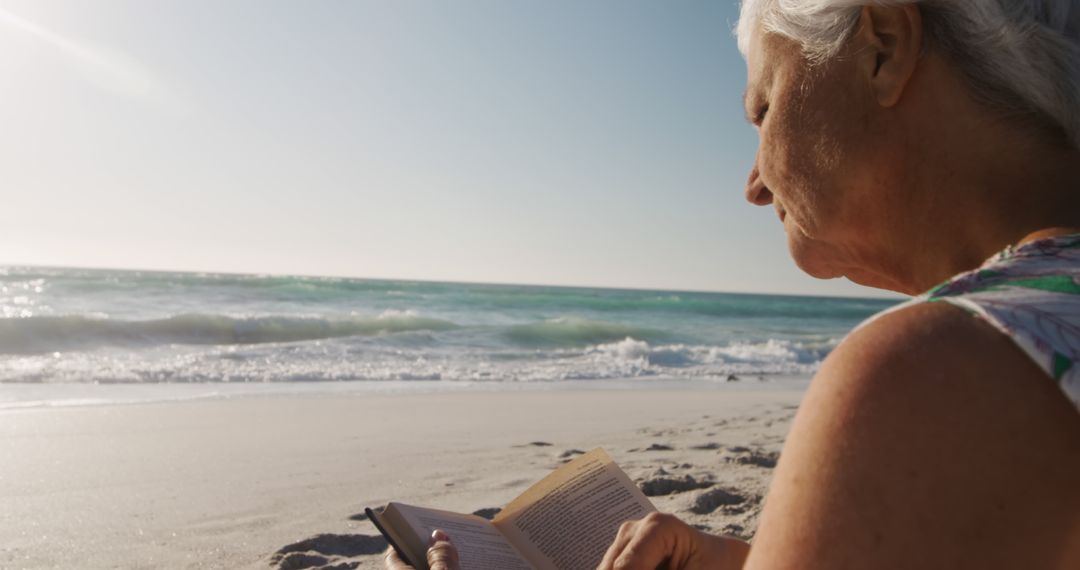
(281, 482)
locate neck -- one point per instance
(998, 199)
(976, 184)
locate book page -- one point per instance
(480, 546)
(569, 519)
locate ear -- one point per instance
(889, 43)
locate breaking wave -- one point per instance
(567, 331)
(57, 333)
(376, 359)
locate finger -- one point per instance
(626, 532)
(438, 535)
(649, 548)
(442, 555)
(391, 561)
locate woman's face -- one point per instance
(816, 161)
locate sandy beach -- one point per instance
(282, 482)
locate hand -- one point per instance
(663, 541)
(440, 556)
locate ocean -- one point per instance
(85, 326)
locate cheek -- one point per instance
(789, 164)
(802, 157)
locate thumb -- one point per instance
(442, 555)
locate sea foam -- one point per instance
(96, 326)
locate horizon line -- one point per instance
(446, 281)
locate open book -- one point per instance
(564, 522)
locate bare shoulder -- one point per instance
(927, 440)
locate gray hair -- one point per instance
(1021, 57)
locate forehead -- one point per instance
(755, 60)
(769, 55)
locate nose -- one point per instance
(756, 191)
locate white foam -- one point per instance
(412, 358)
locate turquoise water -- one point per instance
(104, 326)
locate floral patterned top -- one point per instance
(1031, 293)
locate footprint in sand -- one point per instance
(660, 486)
(736, 530)
(747, 456)
(325, 549)
(730, 501)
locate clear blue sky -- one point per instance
(556, 142)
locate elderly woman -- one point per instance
(933, 148)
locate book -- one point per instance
(566, 521)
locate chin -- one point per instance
(868, 279)
(814, 258)
(824, 261)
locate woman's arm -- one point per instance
(927, 440)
